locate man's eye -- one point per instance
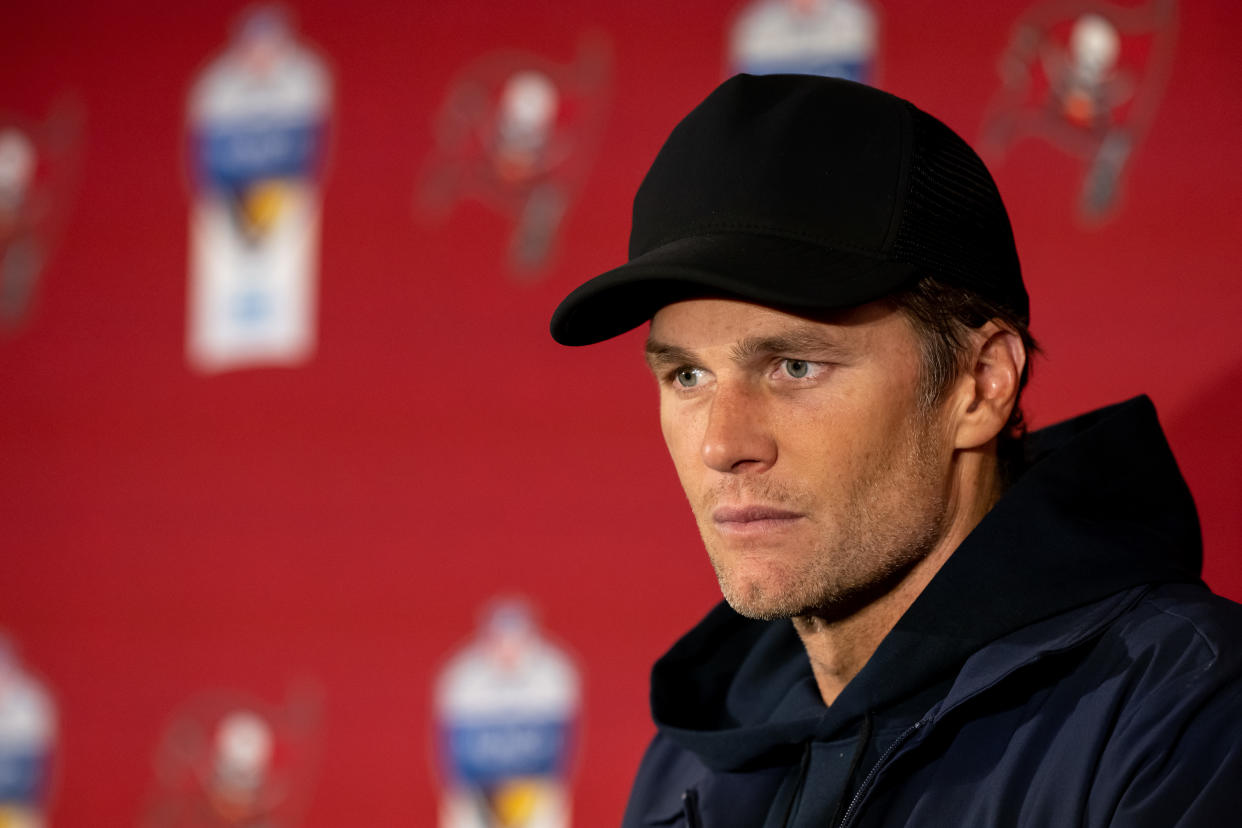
(687, 377)
(797, 368)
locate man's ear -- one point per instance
(987, 393)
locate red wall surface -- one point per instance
(337, 525)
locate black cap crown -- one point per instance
(805, 193)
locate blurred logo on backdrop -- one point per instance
(835, 38)
(229, 760)
(518, 132)
(1087, 78)
(507, 706)
(38, 168)
(27, 743)
(258, 122)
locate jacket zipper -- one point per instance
(852, 811)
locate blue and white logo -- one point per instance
(834, 38)
(507, 705)
(258, 126)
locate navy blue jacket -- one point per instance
(1066, 667)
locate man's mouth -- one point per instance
(750, 520)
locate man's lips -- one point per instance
(752, 519)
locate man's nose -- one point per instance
(737, 438)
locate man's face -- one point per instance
(815, 477)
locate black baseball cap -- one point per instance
(807, 194)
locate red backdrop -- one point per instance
(165, 532)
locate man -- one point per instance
(984, 628)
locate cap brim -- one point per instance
(768, 270)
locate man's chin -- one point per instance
(757, 612)
(776, 597)
(761, 602)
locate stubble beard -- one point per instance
(891, 519)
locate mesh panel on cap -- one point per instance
(954, 225)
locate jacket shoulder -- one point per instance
(1178, 631)
(1175, 756)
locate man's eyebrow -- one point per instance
(793, 341)
(661, 353)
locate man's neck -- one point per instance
(839, 647)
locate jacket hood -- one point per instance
(1100, 508)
